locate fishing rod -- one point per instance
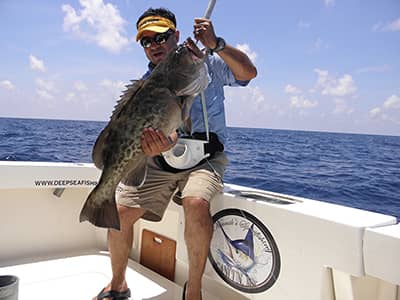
(207, 15)
(210, 8)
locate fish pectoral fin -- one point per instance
(100, 210)
(187, 102)
(186, 126)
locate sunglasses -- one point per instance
(159, 39)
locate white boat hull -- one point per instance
(301, 248)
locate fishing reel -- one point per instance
(187, 153)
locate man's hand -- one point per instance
(204, 32)
(154, 141)
(238, 61)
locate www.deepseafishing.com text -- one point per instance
(65, 182)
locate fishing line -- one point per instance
(207, 15)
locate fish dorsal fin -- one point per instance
(129, 93)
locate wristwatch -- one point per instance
(220, 45)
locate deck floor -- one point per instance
(82, 277)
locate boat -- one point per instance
(265, 245)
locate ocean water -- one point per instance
(361, 171)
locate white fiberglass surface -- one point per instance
(82, 277)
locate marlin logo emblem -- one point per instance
(243, 251)
(239, 253)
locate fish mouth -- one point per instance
(197, 54)
(158, 55)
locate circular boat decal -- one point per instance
(243, 251)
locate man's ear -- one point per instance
(176, 35)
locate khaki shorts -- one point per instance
(203, 181)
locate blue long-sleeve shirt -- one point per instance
(219, 76)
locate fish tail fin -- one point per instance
(101, 210)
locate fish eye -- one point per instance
(179, 49)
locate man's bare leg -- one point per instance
(119, 245)
(198, 233)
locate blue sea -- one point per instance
(361, 171)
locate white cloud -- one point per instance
(299, 101)
(45, 89)
(79, 93)
(380, 115)
(80, 86)
(389, 111)
(246, 106)
(114, 88)
(7, 84)
(318, 45)
(97, 22)
(388, 26)
(341, 107)
(36, 64)
(331, 86)
(250, 98)
(291, 89)
(257, 96)
(298, 98)
(329, 2)
(246, 49)
(104, 94)
(345, 86)
(120, 85)
(393, 102)
(375, 112)
(71, 97)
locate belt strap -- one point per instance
(213, 146)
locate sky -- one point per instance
(323, 65)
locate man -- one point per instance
(192, 188)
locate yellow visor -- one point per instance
(154, 23)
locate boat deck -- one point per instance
(83, 276)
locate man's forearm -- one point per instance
(239, 63)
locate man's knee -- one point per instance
(195, 204)
(129, 215)
(198, 218)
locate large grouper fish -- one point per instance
(163, 102)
